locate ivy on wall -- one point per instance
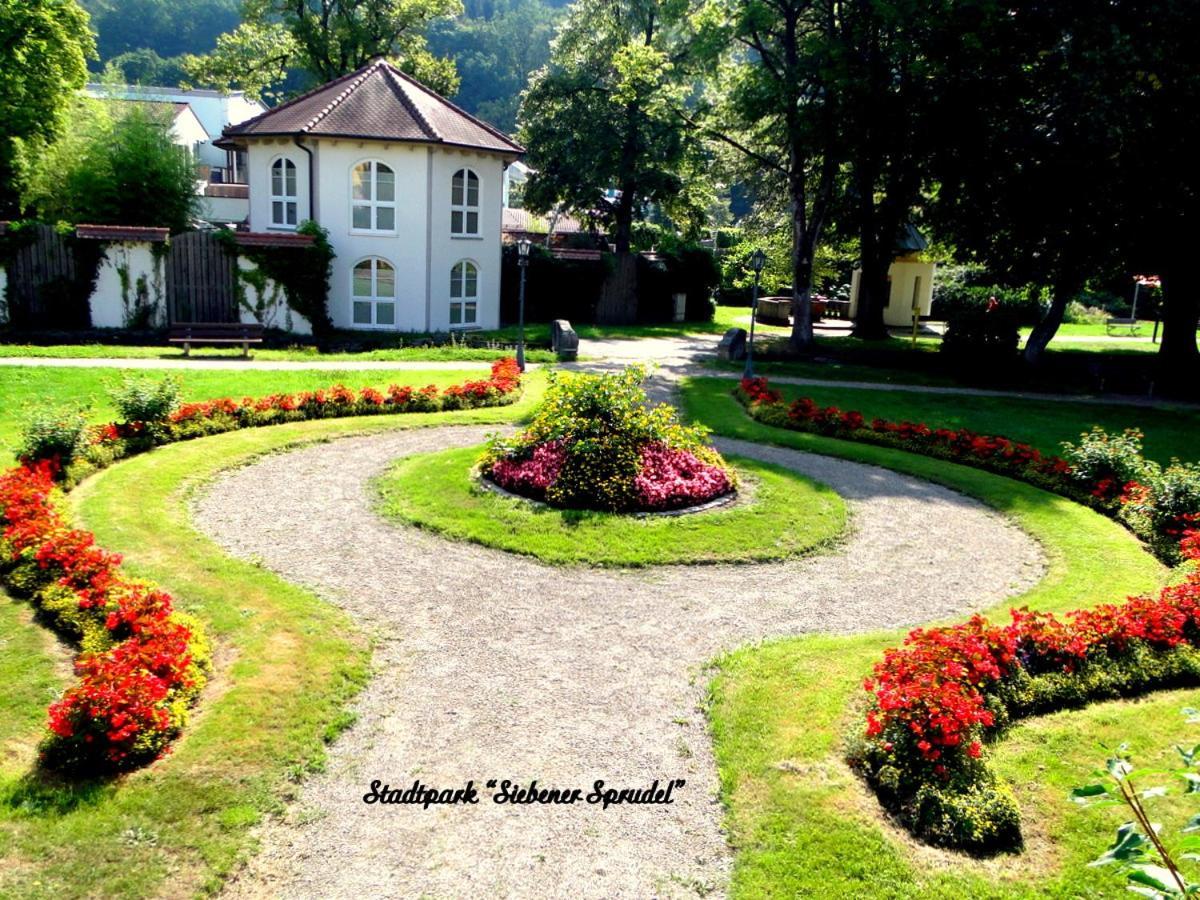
(302, 273)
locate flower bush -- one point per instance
(1106, 472)
(153, 415)
(937, 700)
(596, 443)
(141, 664)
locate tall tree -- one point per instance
(44, 48)
(770, 104)
(168, 27)
(325, 39)
(601, 125)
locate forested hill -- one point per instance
(495, 44)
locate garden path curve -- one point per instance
(491, 665)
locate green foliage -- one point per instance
(143, 67)
(1150, 860)
(117, 165)
(44, 48)
(53, 432)
(146, 399)
(604, 421)
(953, 301)
(325, 39)
(168, 27)
(611, 77)
(495, 50)
(302, 272)
(1100, 455)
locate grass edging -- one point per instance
(439, 494)
(803, 825)
(287, 666)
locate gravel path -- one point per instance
(495, 666)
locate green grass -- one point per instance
(24, 387)
(436, 491)
(291, 354)
(800, 822)
(287, 663)
(1170, 431)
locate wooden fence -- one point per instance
(201, 279)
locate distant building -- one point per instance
(910, 282)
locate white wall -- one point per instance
(421, 250)
(269, 307)
(130, 279)
(903, 274)
(448, 249)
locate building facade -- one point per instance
(408, 186)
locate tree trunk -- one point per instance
(618, 297)
(802, 340)
(874, 291)
(1045, 330)
(1179, 357)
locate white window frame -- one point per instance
(374, 204)
(284, 198)
(465, 209)
(459, 282)
(375, 299)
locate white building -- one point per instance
(910, 282)
(408, 186)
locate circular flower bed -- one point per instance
(596, 443)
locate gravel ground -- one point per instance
(491, 666)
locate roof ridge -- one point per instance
(232, 129)
(398, 88)
(491, 129)
(333, 104)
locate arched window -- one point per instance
(464, 294)
(464, 203)
(373, 197)
(373, 291)
(283, 193)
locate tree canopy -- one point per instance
(325, 39)
(44, 49)
(116, 164)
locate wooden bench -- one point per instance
(188, 333)
(1133, 326)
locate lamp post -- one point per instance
(523, 263)
(758, 259)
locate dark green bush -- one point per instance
(53, 433)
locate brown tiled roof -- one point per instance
(378, 102)
(121, 233)
(272, 239)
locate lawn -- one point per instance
(22, 388)
(1170, 431)
(436, 491)
(802, 824)
(291, 354)
(287, 664)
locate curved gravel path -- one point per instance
(496, 666)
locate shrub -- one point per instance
(53, 433)
(1018, 308)
(982, 339)
(1078, 314)
(1103, 463)
(146, 400)
(595, 443)
(935, 701)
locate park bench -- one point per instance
(188, 333)
(1132, 326)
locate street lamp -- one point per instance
(523, 262)
(758, 260)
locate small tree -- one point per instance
(116, 165)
